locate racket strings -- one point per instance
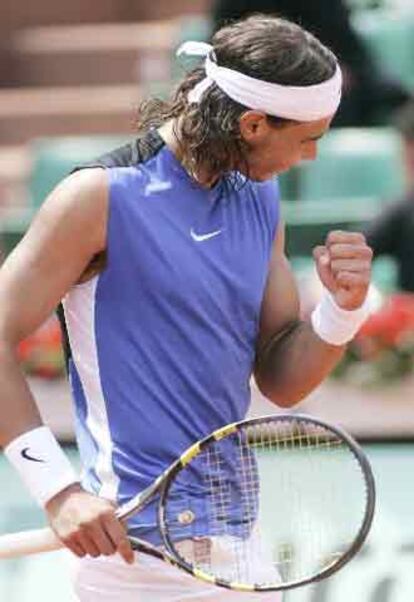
(269, 504)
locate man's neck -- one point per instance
(168, 133)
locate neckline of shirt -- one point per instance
(179, 170)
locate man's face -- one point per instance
(408, 158)
(274, 149)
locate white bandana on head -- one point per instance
(299, 103)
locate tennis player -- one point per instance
(167, 255)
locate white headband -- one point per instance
(299, 103)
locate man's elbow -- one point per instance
(280, 396)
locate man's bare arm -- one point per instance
(68, 230)
(291, 359)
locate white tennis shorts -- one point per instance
(110, 579)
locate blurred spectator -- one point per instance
(369, 95)
(392, 233)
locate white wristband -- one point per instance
(41, 463)
(335, 325)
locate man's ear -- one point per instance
(253, 126)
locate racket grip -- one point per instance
(23, 543)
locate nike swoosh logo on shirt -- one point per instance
(203, 237)
(26, 456)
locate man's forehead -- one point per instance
(313, 128)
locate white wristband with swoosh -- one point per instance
(41, 463)
(335, 325)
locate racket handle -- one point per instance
(14, 545)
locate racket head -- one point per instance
(227, 522)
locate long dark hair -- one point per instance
(263, 47)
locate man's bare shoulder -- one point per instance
(67, 232)
(87, 188)
(79, 203)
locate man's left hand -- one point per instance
(344, 267)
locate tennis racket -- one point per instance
(269, 503)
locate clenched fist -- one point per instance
(344, 267)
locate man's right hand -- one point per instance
(87, 524)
